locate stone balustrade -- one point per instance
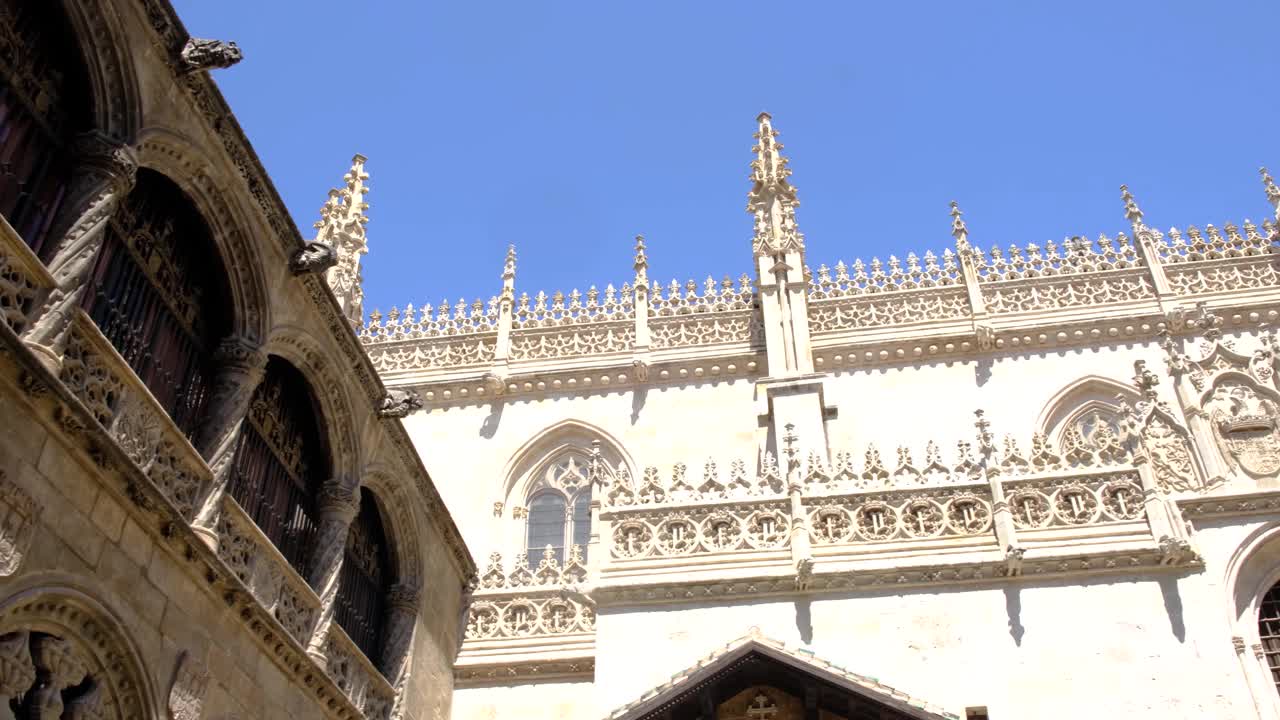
(356, 676)
(23, 278)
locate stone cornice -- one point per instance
(1262, 502)
(942, 575)
(504, 673)
(170, 36)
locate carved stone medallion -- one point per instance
(1245, 422)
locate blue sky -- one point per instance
(568, 127)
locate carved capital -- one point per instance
(105, 157)
(405, 597)
(337, 502)
(240, 353)
(17, 672)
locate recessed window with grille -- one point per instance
(158, 293)
(281, 461)
(1269, 631)
(560, 510)
(364, 580)
(44, 102)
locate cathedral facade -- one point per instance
(1040, 481)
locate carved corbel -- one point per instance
(640, 370)
(1176, 551)
(1013, 560)
(205, 54)
(494, 383)
(803, 573)
(985, 336)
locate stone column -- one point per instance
(337, 508)
(239, 367)
(403, 601)
(1158, 519)
(106, 173)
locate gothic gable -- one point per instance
(755, 678)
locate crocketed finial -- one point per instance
(1131, 210)
(959, 230)
(772, 199)
(509, 267)
(1273, 192)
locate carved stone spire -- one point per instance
(642, 263)
(509, 275)
(1131, 210)
(959, 230)
(1273, 192)
(772, 199)
(342, 227)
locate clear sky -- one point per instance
(567, 127)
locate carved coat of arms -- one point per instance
(1245, 422)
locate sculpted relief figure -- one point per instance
(1245, 423)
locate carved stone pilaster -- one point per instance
(240, 367)
(337, 508)
(105, 175)
(186, 695)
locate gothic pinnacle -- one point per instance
(1273, 192)
(959, 230)
(772, 199)
(509, 267)
(1131, 210)
(641, 264)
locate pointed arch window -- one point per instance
(158, 293)
(365, 579)
(44, 100)
(281, 462)
(559, 505)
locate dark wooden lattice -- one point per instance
(158, 293)
(44, 101)
(280, 462)
(364, 580)
(1269, 631)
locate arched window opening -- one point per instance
(281, 462)
(1269, 631)
(365, 580)
(44, 102)
(560, 509)
(158, 293)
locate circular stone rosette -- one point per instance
(721, 531)
(631, 539)
(767, 528)
(830, 524)
(876, 521)
(1076, 504)
(1030, 509)
(1122, 500)
(922, 517)
(677, 536)
(968, 514)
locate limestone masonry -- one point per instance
(1040, 481)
